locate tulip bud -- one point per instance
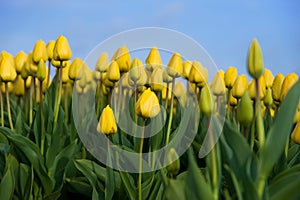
(153, 60)
(62, 50)
(288, 82)
(102, 63)
(41, 73)
(10, 87)
(156, 79)
(296, 134)
(276, 86)
(174, 68)
(252, 88)
(232, 100)
(50, 48)
(125, 83)
(107, 82)
(206, 101)
(239, 86)
(245, 110)
(147, 105)
(268, 100)
(75, 69)
(230, 76)
(218, 84)
(174, 166)
(179, 89)
(166, 77)
(187, 66)
(198, 74)
(107, 123)
(39, 52)
(20, 60)
(164, 92)
(122, 57)
(7, 67)
(269, 78)
(65, 73)
(135, 69)
(255, 60)
(19, 86)
(113, 72)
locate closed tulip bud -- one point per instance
(41, 73)
(122, 57)
(39, 52)
(125, 83)
(245, 110)
(7, 67)
(44, 83)
(28, 82)
(20, 60)
(255, 60)
(156, 79)
(19, 86)
(187, 66)
(75, 69)
(218, 84)
(65, 74)
(107, 82)
(141, 89)
(135, 69)
(206, 101)
(232, 100)
(269, 78)
(198, 74)
(10, 87)
(175, 67)
(239, 86)
(252, 88)
(147, 105)
(230, 76)
(296, 134)
(107, 123)
(166, 77)
(179, 89)
(153, 60)
(164, 92)
(268, 100)
(173, 161)
(113, 72)
(288, 82)
(102, 62)
(62, 50)
(50, 48)
(276, 86)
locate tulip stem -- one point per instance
(2, 109)
(259, 118)
(141, 160)
(171, 112)
(31, 101)
(167, 95)
(214, 163)
(8, 107)
(58, 93)
(49, 67)
(42, 119)
(66, 105)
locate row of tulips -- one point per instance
(255, 157)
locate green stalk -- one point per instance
(171, 112)
(42, 119)
(48, 77)
(58, 93)
(66, 107)
(2, 109)
(141, 161)
(167, 95)
(259, 118)
(31, 102)
(8, 107)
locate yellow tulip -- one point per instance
(7, 67)
(166, 77)
(198, 74)
(65, 73)
(39, 52)
(113, 72)
(296, 134)
(20, 60)
(19, 86)
(75, 69)
(288, 82)
(50, 48)
(239, 86)
(218, 84)
(252, 88)
(179, 90)
(125, 81)
(156, 79)
(174, 68)
(135, 69)
(122, 57)
(232, 100)
(206, 101)
(255, 60)
(164, 92)
(269, 78)
(107, 123)
(147, 105)
(245, 110)
(41, 73)
(105, 81)
(187, 66)
(268, 100)
(153, 60)
(230, 76)
(10, 87)
(62, 50)
(102, 62)
(276, 86)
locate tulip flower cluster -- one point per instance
(42, 156)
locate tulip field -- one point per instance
(247, 125)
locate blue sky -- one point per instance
(224, 28)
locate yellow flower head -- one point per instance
(288, 82)
(19, 86)
(20, 60)
(122, 57)
(252, 88)
(269, 78)
(239, 86)
(230, 76)
(268, 100)
(276, 86)
(75, 69)
(113, 72)
(187, 66)
(245, 110)
(179, 89)
(50, 48)
(156, 79)
(135, 69)
(198, 74)
(153, 60)
(107, 123)
(147, 105)
(166, 77)
(102, 62)
(62, 50)
(174, 68)
(41, 73)
(218, 84)
(39, 52)
(7, 67)
(206, 101)
(255, 60)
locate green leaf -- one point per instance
(175, 189)
(80, 185)
(279, 131)
(7, 185)
(131, 191)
